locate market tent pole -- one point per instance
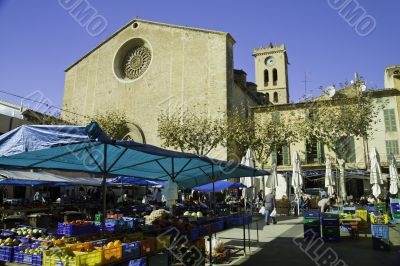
(104, 185)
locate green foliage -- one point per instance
(190, 131)
(238, 132)
(351, 115)
(114, 124)
(271, 134)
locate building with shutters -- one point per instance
(385, 137)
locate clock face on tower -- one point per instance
(269, 61)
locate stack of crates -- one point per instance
(395, 209)
(380, 236)
(363, 215)
(312, 225)
(330, 226)
(380, 207)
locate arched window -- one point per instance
(274, 76)
(266, 77)
(267, 97)
(275, 97)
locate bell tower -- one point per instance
(271, 73)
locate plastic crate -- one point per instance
(4, 234)
(349, 209)
(331, 233)
(363, 215)
(31, 259)
(380, 207)
(377, 218)
(312, 231)
(370, 208)
(93, 258)
(248, 219)
(76, 230)
(6, 253)
(110, 255)
(194, 234)
(235, 221)
(163, 242)
(329, 215)
(330, 222)
(311, 214)
(217, 226)
(138, 262)
(131, 250)
(148, 245)
(311, 221)
(380, 231)
(129, 222)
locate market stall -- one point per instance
(88, 149)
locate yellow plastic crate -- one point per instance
(163, 242)
(362, 214)
(381, 219)
(109, 255)
(92, 258)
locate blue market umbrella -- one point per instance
(88, 149)
(126, 180)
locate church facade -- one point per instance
(148, 67)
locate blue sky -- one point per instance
(39, 39)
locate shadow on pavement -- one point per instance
(283, 251)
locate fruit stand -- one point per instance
(348, 220)
(140, 240)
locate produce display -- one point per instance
(157, 215)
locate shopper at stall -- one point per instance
(270, 204)
(158, 197)
(324, 204)
(371, 199)
(38, 197)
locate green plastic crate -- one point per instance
(380, 207)
(311, 221)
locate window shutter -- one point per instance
(390, 120)
(351, 150)
(392, 148)
(320, 152)
(387, 121)
(285, 155)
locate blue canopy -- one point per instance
(218, 186)
(126, 180)
(88, 149)
(13, 182)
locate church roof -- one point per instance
(149, 22)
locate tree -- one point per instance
(190, 131)
(273, 131)
(114, 124)
(238, 132)
(351, 113)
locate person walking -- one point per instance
(270, 204)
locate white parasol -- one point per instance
(375, 173)
(329, 180)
